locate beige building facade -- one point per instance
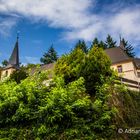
(13, 63)
(126, 67)
(7, 72)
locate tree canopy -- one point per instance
(32, 110)
(129, 49)
(49, 57)
(81, 45)
(93, 66)
(18, 75)
(4, 63)
(79, 102)
(110, 43)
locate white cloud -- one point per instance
(127, 22)
(77, 17)
(62, 13)
(86, 33)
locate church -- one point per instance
(126, 67)
(13, 63)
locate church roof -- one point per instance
(14, 58)
(117, 55)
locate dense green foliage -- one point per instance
(94, 67)
(80, 102)
(127, 103)
(18, 75)
(30, 110)
(50, 56)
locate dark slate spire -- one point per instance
(14, 59)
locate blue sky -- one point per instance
(62, 23)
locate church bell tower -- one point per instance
(13, 63)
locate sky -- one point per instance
(62, 23)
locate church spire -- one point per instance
(14, 58)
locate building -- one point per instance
(13, 63)
(126, 67)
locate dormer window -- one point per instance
(119, 68)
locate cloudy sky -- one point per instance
(64, 22)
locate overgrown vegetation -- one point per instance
(30, 110)
(80, 102)
(18, 75)
(94, 67)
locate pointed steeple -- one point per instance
(14, 58)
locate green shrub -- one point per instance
(30, 110)
(94, 67)
(18, 75)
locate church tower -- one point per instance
(13, 63)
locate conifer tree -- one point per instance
(110, 43)
(4, 63)
(128, 48)
(94, 42)
(49, 57)
(81, 45)
(102, 45)
(98, 43)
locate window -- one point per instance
(6, 73)
(119, 68)
(138, 74)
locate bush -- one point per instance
(18, 75)
(30, 110)
(94, 67)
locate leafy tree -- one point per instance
(110, 43)
(129, 49)
(70, 65)
(63, 109)
(18, 75)
(30, 110)
(94, 67)
(81, 45)
(4, 63)
(50, 56)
